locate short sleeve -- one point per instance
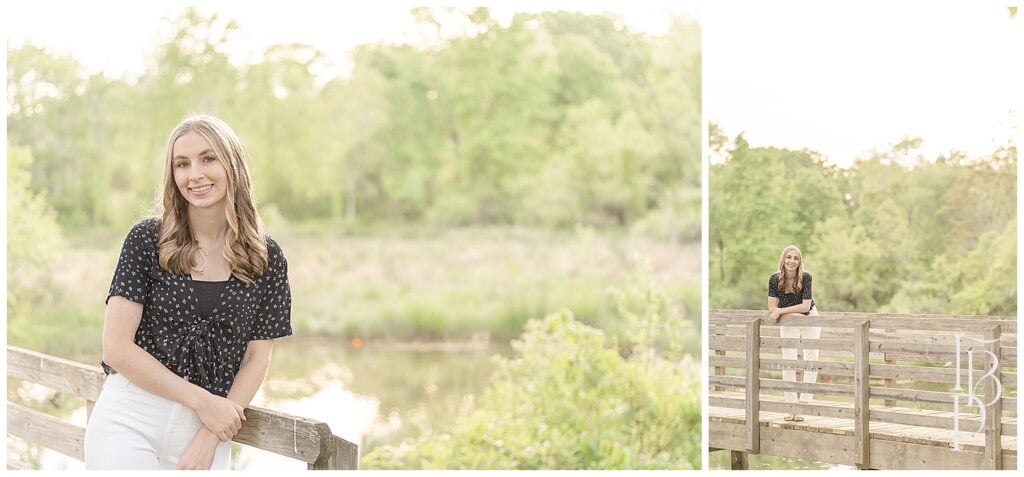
(274, 315)
(131, 277)
(773, 286)
(807, 286)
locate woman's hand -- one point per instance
(200, 452)
(222, 416)
(773, 317)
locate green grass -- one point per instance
(402, 282)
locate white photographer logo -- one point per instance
(973, 399)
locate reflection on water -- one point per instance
(376, 395)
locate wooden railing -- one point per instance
(869, 356)
(295, 437)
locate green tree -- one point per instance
(34, 241)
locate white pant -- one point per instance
(802, 332)
(131, 428)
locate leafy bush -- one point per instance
(569, 399)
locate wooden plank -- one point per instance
(926, 373)
(938, 354)
(753, 387)
(993, 414)
(730, 381)
(878, 320)
(777, 404)
(898, 455)
(913, 336)
(827, 367)
(913, 395)
(861, 405)
(46, 430)
(824, 447)
(727, 435)
(935, 356)
(878, 334)
(799, 386)
(800, 444)
(739, 343)
(291, 436)
(55, 373)
(941, 420)
(918, 355)
(780, 385)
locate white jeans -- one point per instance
(131, 428)
(802, 332)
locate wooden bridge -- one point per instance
(884, 396)
(299, 438)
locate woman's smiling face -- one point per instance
(198, 172)
(792, 261)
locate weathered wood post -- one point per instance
(994, 412)
(738, 460)
(862, 394)
(753, 388)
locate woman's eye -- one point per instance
(209, 158)
(181, 165)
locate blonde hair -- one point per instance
(245, 245)
(797, 286)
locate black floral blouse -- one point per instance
(205, 350)
(790, 299)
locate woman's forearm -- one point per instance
(146, 372)
(248, 379)
(801, 308)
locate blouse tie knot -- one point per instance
(198, 355)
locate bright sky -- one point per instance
(114, 36)
(843, 79)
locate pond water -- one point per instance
(374, 395)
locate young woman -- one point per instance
(197, 298)
(789, 292)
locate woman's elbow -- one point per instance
(257, 356)
(114, 351)
(111, 354)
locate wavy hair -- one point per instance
(797, 286)
(245, 245)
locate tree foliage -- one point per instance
(555, 119)
(34, 240)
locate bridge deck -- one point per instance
(831, 439)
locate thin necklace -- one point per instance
(203, 254)
(207, 253)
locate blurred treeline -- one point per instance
(896, 232)
(555, 120)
